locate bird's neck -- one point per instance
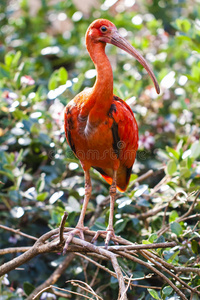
(102, 91)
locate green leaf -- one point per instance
(20, 156)
(16, 59)
(9, 167)
(10, 157)
(195, 72)
(8, 58)
(120, 225)
(12, 59)
(40, 184)
(176, 228)
(195, 247)
(52, 83)
(173, 216)
(18, 114)
(154, 294)
(8, 174)
(167, 290)
(100, 226)
(171, 167)
(42, 196)
(28, 288)
(63, 75)
(183, 25)
(172, 152)
(4, 71)
(173, 257)
(195, 149)
(77, 85)
(153, 237)
(184, 172)
(146, 242)
(58, 77)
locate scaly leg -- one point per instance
(88, 191)
(79, 229)
(109, 231)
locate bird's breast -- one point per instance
(89, 141)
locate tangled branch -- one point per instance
(54, 240)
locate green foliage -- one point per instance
(154, 294)
(42, 67)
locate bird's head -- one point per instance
(101, 30)
(104, 31)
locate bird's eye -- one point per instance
(103, 28)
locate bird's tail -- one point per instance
(123, 176)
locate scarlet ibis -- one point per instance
(100, 127)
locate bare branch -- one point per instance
(14, 250)
(184, 216)
(143, 246)
(126, 250)
(17, 231)
(159, 263)
(160, 274)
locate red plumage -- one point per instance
(100, 127)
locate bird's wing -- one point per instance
(125, 131)
(125, 142)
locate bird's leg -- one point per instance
(79, 229)
(88, 191)
(109, 231)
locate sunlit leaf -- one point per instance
(153, 237)
(42, 196)
(154, 294)
(172, 152)
(173, 216)
(63, 75)
(55, 197)
(195, 149)
(171, 167)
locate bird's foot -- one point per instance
(109, 235)
(69, 236)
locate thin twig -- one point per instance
(183, 217)
(160, 274)
(144, 246)
(60, 289)
(159, 263)
(17, 231)
(88, 289)
(114, 275)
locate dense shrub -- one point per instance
(43, 65)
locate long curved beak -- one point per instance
(120, 42)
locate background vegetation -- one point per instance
(43, 65)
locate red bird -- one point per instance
(100, 127)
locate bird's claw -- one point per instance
(109, 234)
(69, 236)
